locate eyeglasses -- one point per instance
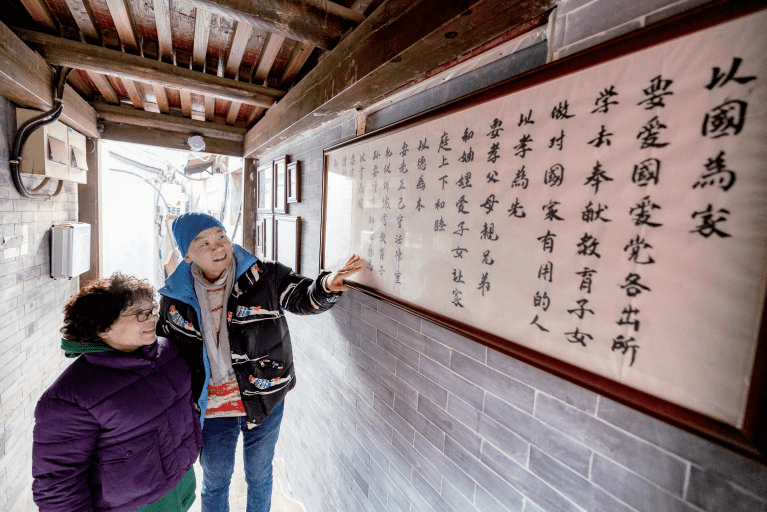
(142, 315)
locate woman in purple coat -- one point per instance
(117, 431)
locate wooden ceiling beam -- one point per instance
(133, 117)
(166, 139)
(397, 44)
(298, 21)
(64, 52)
(339, 10)
(27, 80)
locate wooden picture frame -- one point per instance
(265, 189)
(260, 242)
(358, 216)
(287, 241)
(267, 227)
(294, 182)
(281, 185)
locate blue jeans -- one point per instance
(219, 440)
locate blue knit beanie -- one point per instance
(187, 226)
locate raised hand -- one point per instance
(335, 281)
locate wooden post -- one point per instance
(89, 207)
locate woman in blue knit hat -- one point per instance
(225, 310)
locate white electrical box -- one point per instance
(53, 150)
(70, 249)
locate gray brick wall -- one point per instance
(30, 307)
(392, 412)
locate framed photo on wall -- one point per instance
(265, 189)
(294, 182)
(287, 243)
(267, 228)
(280, 185)
(260, 239)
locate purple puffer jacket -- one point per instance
(116, 431)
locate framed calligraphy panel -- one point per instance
(603, 218)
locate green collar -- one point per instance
(73, 349)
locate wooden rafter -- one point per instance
(162, 24)
(239, 44)
(269, 52)
(301, 52)
(201, 34)
(104, 87)
(40, 12)
(84, 20)
(307, 23)
(202, 21)
(124, 24)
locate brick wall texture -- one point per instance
(394, 413)
(31, 311)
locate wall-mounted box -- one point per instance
(53, 150)
(70, 249)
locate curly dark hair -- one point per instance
(98, 305)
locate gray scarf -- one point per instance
(219, 353)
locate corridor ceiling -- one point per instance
(248, 74)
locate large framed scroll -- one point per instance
(604, 218)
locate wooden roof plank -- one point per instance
(210, 108)
(297, 60)
(134, 93)
(202, 20)
(239, 44)
(84, 19)
(123, 24)
(266, 58)
(186, 102)
(40, 12)
(162, 24)
(269, 52)
(161, 98)
(104, 87)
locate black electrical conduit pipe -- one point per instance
(25, 130)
